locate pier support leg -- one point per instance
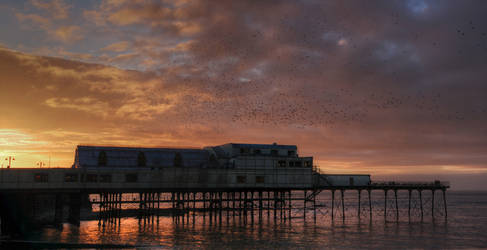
(252, 205)
(305, 200)
(275, 205)
(358, 210)
(397, 205)
(233, 206)
(332, 204)
(220, 206)
(228, 206)
(194, 205)
(120, 208)
(100, 197)
(409, 204)
(268, 205)
(204, 204)
(314, 208)
(289, 204)
(260, 205)
(370, 204)
(210, 205)
(74, 208)
(245, 204)
(385, 205)
(421, 203)
(343, 204)
(281, 204)
(433, 204)
(58, 210)
(444, 203)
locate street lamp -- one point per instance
(9, 159)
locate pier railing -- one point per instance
(416, 184)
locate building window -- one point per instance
(259, 179)
(241, 179)
(105, 178)
(91, 178)
(308, 164)
(281, 164)
(274, 152)
(291, 152)
(102, 158)
(41, 177)
(178, 160)
(257, 151)
(297, 164)
(131, 178)
(244, 150)
(141, 160)
(291, 163)
(71, 178)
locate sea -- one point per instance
(464, 228)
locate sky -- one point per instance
(395, 89)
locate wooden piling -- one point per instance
(421, 203)
(397, 205)
(444, 203)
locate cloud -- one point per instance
(50, 22)
(67, 33)
(34, 20)
(10, 139)
(87, 104)
(117, 47)
(58, 9)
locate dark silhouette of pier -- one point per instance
(109, 194)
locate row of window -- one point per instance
(107, 178)
(273, 152)
(91, 178)
(141, 159)
(241, 179)
(283, 163)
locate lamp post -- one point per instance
(9, 159)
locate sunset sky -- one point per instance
(397, 89)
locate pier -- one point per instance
(23, 191)
(250, 182)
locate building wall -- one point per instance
(168, 178)
(89, 157)
(272, 162)
(224, 156)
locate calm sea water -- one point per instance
(466, 227)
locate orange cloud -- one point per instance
(58, 9)
(67, 33)
(87, 104)
(117, 47)
(34, 20)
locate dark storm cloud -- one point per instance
(413, 70)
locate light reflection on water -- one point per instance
(466, 228)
